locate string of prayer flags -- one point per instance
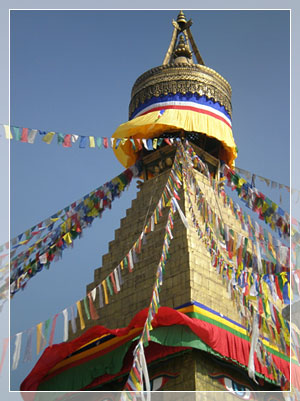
(135, 381)
(106, 192)
(112, 284)
(69, 224)
(28, 135)
(269, 252)
(251, 176)
(237, 282)
(138, 375)
(267, 210)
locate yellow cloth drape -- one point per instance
(150, 126)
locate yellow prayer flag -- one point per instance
(284, 279)
(82, 324)
(68, 223)
(105, 292)
(63, 227)
(93, 213)
(38, 337)
(54, 219)
(241, 182)
(30, 250)
(265, 289)
(92, 142)
(136, 383)
(48, 137)
(67, 238)
(155, 217)
(121, 264)
(8, 134)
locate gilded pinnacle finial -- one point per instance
(182, 49)
(181, 20)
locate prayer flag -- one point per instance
(60, 138)
(94, 314)
(67, 141)
(48, 137)
(100, 296)
(109, 285)
(39, 335)
(92, 142)
(82, 324)
(73, 322)
(66, 332)
(8, 134)
(86, 308)
(105, 292)
(83, 142)
(99, 142)
(52, 330)
(17, 352)
(4, 349)
(31, 135)
(17, 133)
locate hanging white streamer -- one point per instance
(94, 293)
(145, 371)
(254, 339)
(66, 334)
(181, 214)
(17, 351)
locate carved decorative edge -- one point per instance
(174, 78)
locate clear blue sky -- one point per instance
(72, 72)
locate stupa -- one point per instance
(199, 339)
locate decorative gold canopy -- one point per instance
(179, 74)
(181, 95)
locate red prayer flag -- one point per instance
(113, 283)
(140, 146)
(105, 142)
(279, 293)
(94, 314)
(24, 137)
(67, 141)
(52, 330)
(260, 306)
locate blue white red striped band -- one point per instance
(193, 102)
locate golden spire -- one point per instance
(181, 25)
(181, 20)
(182, 53)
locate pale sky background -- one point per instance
(72, 72)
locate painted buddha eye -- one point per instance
(158, 381)
(236, 388)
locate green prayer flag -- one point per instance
(17, 133)
(60, 138)
(109, 285)
(86, 308)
